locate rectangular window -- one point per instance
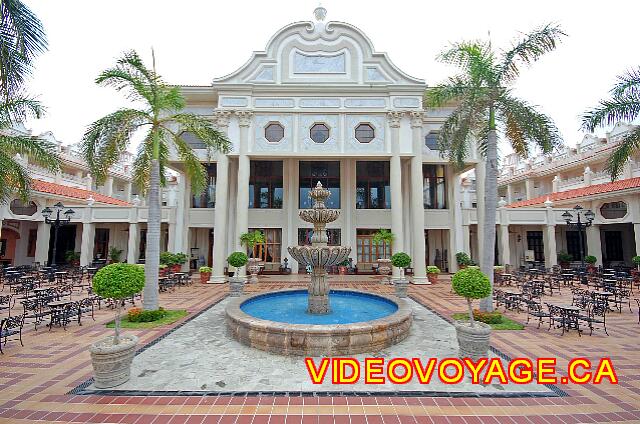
(372, 185)
(270, 250)
(367, 251)
(613, 246)
(101, 243)
(31, 245)
(304, 236)
(265, 185)
(207, 199)
(434, 189)
(328, 173)
(535, 243)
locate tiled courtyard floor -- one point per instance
(35, 379)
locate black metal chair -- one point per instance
(33, 311)
(535, 309)
(7, 302)
(596, 314)
(622, 295)
(86, 306)
(11, 326)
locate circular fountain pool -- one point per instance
(358, 322)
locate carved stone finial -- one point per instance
(320, 13)
(136, 200)
(502, 203)
(548, 203)
(90, 200)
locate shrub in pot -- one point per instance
(205, 273)
(401, 260)
(112, 356)
(236, 284)
(343, 267)
(180, 259)
(115, 254)
(473, 337)
(564, 258)
(635, 273)
(250, 240)
(463, 260)
(432, 273)
(591, 262)
(72, 257)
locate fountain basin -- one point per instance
(317, 334)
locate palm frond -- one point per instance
(141, 171)
(454, 89)
(475, 58)
(15, 178)
(131, 75)
(22, 37)
(204, 130)
(525, 125)
(460, 128)
(608, 112)
(528, 50)
(169, 99)
(108, 137)
(628, 84)
(16, 108)
(193, 168)
(38, 150)
(629, 144)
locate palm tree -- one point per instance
(161, 123)
(15, 178)
(485, 105)
(22, 38)
(624, 105)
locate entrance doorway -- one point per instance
(66, 242)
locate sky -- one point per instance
(197, 40)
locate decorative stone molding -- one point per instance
(244, 117)
(394, 118)
(304, 126)
(222, 118)
(416, 119)
(261, 144)
(376, 145)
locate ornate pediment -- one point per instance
(319, 53)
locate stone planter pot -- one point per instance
(433, 278)
(384, 267)
(342, 270)
(204, 277)
(112, 363)
(253, 269)
(236, 286)
(400, 287)
(473, 342)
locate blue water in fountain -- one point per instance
(346, 308)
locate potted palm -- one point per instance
(236, 284)
(564, 258)
(111, 357)
(473, 337)
(250, 240)
(432, 273)
(463, 260)
(383, 236)
(591, 263)
(72, 257)
(401, 261)
(114, 254)
(205, 274)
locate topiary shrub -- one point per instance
(432, 269)
(205, 269)
(564, 257)
(401, 260)
(471, 284)
(180, 258)
(118, 281)
(238, 259)
(462, 258)
(168, 259)
(590, 259)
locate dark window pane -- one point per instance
(265, 185)
(434, 187)
(192, 140)
(365, 133)
(328, 173)
(207, 199)
(319, 133)
(274, 132)
(431, 140)
(373, 185)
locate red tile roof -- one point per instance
(74, 193)
(580, 192)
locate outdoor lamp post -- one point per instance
(57, 222)
(580, 219)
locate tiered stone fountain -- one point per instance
(319, 321)
(319, 255)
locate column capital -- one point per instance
(394, 118)
(416, 118)
(244, 117)
(222, 118)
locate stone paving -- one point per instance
(200, 356)
(35, 380)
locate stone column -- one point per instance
(242, 201)
(636, 231)
(108, 186)
(466, 239)
(221, 207)
(509, 193)
(396, 184)
(587, 176)
(549, 237)
(42, 243)
(417, 201)
(528, 188)
(594, 243)
(480, 184)
(503, 233)
(133, 244)
(88, 237)
(127, 191)
(555, 184)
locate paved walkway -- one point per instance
(35, 379)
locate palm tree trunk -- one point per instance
(489, 224)
(152, 255)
